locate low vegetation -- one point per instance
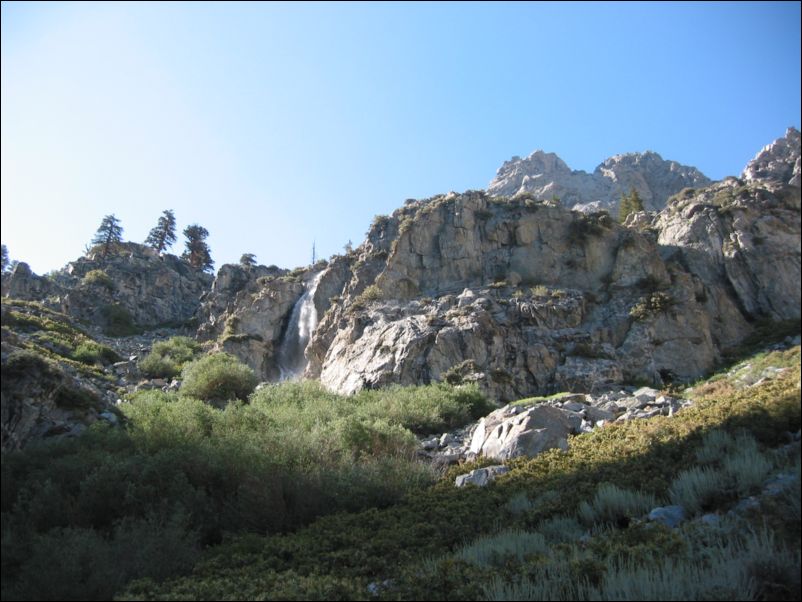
(219, 377)
(301, 494)
(98, 278)
(118, 321)
(167, 358)
(52, 336)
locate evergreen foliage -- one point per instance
(108, 235)
(247, 260)
(5, 260)
(197, 252)
(630, 203)
(163, 236)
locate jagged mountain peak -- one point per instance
(778, 162)
(546, 175)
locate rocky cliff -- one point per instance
(521, 295)
(545, 175)
(524, 297)
(527, 297)
(134, 287)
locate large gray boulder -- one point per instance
(510, 432)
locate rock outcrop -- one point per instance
(743, 235)
(526, 297)
(247, 311)
(522, 296)
(134, 285)
(45, 394)
(777, 163)
(528, 429)
(545, 176)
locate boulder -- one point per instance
(481, 476)
(670, 516)
(506, 434)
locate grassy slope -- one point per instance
(409, 547)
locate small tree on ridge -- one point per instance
(109, 234)
(197, 252)
(630, 203)
(163, 236)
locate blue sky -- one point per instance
(273, 125)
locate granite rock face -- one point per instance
(45, 397)
(520, 296)
(743, 236)
(247, 311)
(245, 314)
(525, 297)
(545, 176)
(777, 163)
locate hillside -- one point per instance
(503, 398)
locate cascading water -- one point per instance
(303, 320)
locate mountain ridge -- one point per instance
(546, 175)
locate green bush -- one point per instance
(498, 549)
(652, 305)
(698, 489)
(90, 352)
(118, 321)
(746, 470)
(76, 563)
(219, 377)
(614, 505)
(716, 445)
(561, 529)
(98, 278)
(296, 464)
(167, 358)
(370, 294)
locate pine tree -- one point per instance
(247, 260)
(197, 253)
(630, 203)
(109, 234)
(163, 236)
(5, 259)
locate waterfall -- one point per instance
(303, 320)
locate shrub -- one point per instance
(380, 221)
(746, 470)
(98, 278)
(561, 529)
(118, 321)
(167, 358)
(715, 447)
(518, 504)
(651, 305)
(218, 377)
(371, 293)
(698, 489)
(614, 505)
(496, 550)
(455, 374)
(583, 227)
(90, 352)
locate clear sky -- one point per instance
(273, 125)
